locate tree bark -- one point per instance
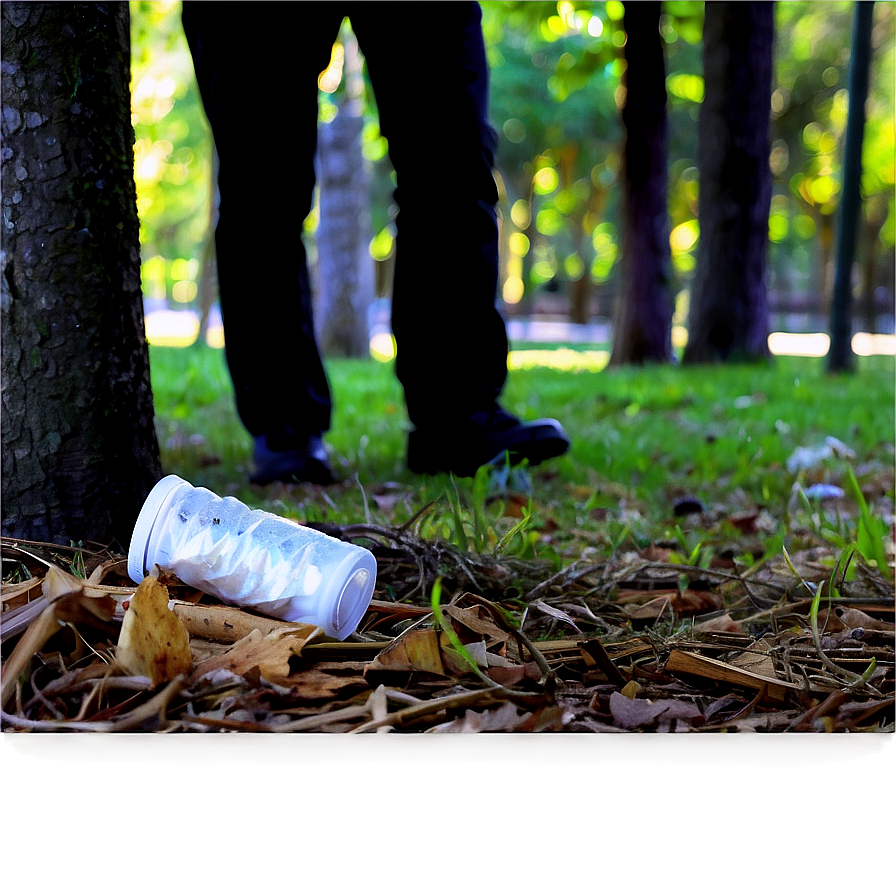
(643, 318)
(729, 317)
(79, 445)
(345, 267)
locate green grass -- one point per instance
(641, 438)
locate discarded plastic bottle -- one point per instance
(251, 558)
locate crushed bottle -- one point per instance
(251, 558)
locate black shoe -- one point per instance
(291, 459)
(487, 438)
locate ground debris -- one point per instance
(638, 643)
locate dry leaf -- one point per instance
(631, 714)
(757, 659)
(153, 641)
(506, 717)
(414, 651)
(851, 618)
(554, 613)
(722, 623)
(477, 620)
(270, 654)
(20, 594)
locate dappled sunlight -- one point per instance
(816, 345)
(801, 345)
(178, 329)
(181, 329)
(382, 346)
(559, 359)
(866, 344)
(214, 336)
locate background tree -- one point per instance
(643, 319)
(840, 356)
(345, 273)
(556, 100)
(809, 115)
(729, 316)
(79, 445)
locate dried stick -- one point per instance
(38, 633)
(154, 708)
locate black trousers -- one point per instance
(257, 66)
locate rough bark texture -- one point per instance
(79, 444)
(729, 303)
(643, 318)
(345, 267)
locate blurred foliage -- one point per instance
(172, 152)
(556, 71)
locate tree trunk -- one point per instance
(729, 317)
(840, 356)
(79, 444)
(345, 268)
(209, 294)
(643, 318)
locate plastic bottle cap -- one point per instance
(343, 601)
(156, 502)
(352, 601)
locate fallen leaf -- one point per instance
(720, 624)
(316, 684)
(477, 620)
(757, 659)
(270, 654)
(20, 594)
(631, 714)
(852, 618)
(554, 613)
(414, 651)
(683, 603)
(153, 641)
(653, 609)
(506, 717)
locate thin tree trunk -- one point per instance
(643, 318)
(840, 355)
(345, 267)
(79, 445)
(729, 317)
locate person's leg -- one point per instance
(257, 66)
(431, 85)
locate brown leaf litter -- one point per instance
(636, 643)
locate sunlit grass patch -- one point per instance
(642, 439)
(558, 359)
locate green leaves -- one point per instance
(871, 530)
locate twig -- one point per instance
(541, 587)
(40, 698)
(38, 633)
(154, 708)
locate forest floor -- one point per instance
(461, 642)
